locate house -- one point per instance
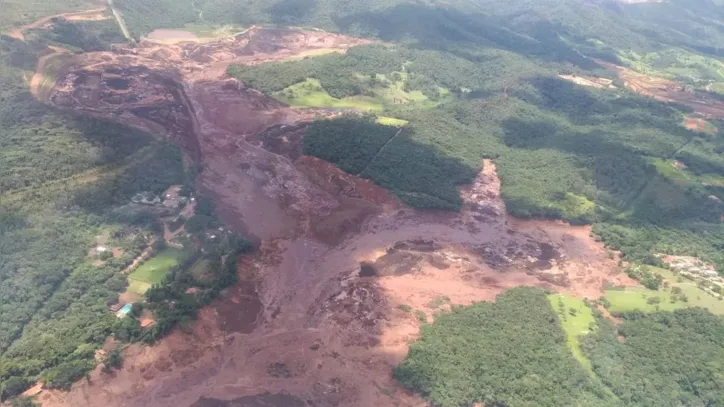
(116, 307)
(710, 273)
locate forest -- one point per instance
(65, 182)
(664, 358)
(513, 352)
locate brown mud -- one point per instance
(317, 318)
(669, 91)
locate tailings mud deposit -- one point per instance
(323, 312)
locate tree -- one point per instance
(112, 360)
(13, 387)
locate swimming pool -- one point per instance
(124, 311)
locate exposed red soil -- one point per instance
(698, 124)
(304, 327)
(669, 91)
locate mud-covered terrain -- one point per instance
(666, 90)
(322, 314)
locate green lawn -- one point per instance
(387, 92)
(311, 94)
(137, 286)
(636, 298)
(574, 325)
(391, 121)
(154, 270)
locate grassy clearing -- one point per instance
(639, 298)
(684, 177)
(154, 270)
(574, 323)
(391, 121)
(678, 64)
(311, 94)
(137, 286)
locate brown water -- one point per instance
(163, 34)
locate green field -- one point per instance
(574, 325)
(311, 94)
(154, 270)
(391, 121)
(636, 298)
(137, 286)
(679, 64)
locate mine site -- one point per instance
(320, 317)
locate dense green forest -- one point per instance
(513, 352)
(661, 359)
(508, 353)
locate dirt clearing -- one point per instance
(669, 91)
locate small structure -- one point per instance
(116, 307)
(146, 198)
(710, 273)
(146, 322)
(124, 310)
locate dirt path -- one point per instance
(121, 23)
(382, 149)
(145, 254)
(642, 192)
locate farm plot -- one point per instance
(154, 270)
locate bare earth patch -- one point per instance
(669, 91)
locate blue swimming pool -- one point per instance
(126, 309)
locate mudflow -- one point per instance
(316, 320)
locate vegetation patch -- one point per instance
(511, 352)
(676, 292)
(311, 94)
(663, 358)
(576, 319)
(154, 270)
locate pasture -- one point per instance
(154, 270)
(576, 319)
(643, 299)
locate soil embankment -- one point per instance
(320, 316)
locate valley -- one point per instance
(316, 225)
(398, 199)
